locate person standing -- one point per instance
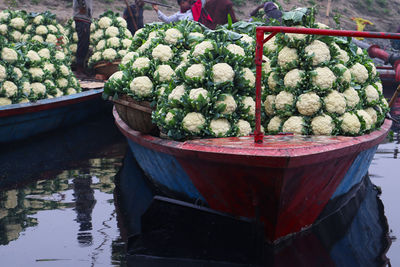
(83, 18)
(137, 12)
(218, 11)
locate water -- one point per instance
(59, 208)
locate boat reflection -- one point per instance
(166, 232)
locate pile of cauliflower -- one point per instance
(202, 82)
(110, 38)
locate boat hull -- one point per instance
(284, 183)
(20, 121)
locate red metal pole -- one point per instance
(258, 135)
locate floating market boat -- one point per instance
(282, 181)
(162, 231)
(19, 121)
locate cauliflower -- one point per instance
(141, 63)
(122, 52)
(250, 77)
(36, 72)
(271, 81)
(350, 123)
(247, 39)
(287, 55)
(64, 70)
(113, 42)
(371, 94)
(270, 46)
(244, 128)
(335, 102)
(17, 23)
(266, 66)
(16, 35)
(9, 55)
(98, 35)
(41, 30)
(165, 72)
(24, 100)
(62, 82)
(373, 114)
(292, 78)
(109, 54)
(38, 20)
(366, 117)
(193, 122)
(100, 45)
(222, 72)
(44, 53)
(128, 57)
(17, 71)
(33, 56)
(220, 127)
(346, 76)
(10, 88)
(126, 43)
(248, 102)
(26, 88)
(49, 67)
(269, 104)
(324, 78)
(4, 15)
(3, 73)
(3, 29)
(195, 71)
(169, 117)
(343, 56)
(141, 86)
(38, 88)
(177, 93)
(308, 104)
(230, 103)
(319, 52)
(379, 86)
(162, 52)
(112, 31)
(274, 124)
(71, 91)
(294, 125)
(104, 22)
(321, 25)
(195, 93)
(38, 38)
(283, 99)
(296, 36)
(322, 125)
(144, 46)
(60, 55)
(196, 35)
(373, 69)
(351, 96)
(53, 29)
(359, 73)
(5, 101)
(236, 50)
(202, 47)
(172, 36)
(122, 22)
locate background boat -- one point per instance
(19, 121)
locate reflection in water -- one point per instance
(84, 204)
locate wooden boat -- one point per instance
(284, 183)
(19, 121)
(166, 232)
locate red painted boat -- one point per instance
(281, 181)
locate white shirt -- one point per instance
(178, 15)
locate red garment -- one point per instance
(219, 10)
(196, 12)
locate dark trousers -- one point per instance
(83, 30)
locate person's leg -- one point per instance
(83, 31)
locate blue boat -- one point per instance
(20, 121)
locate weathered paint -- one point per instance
(285, 182)
(19, 121)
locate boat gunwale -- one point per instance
(259, 155)
(48, 103)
